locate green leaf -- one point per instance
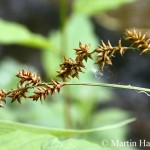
(7, 127)
(73, 36)
(20, 140)
(51, 60)
(91, 7)
(108, 116)
(72, 144)
(14, 33)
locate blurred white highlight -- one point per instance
(97, 72)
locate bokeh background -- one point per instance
(36, 34)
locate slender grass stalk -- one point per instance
(127, 87)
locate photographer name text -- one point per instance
(129, 143)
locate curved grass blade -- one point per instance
(6, 127)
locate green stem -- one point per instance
(128, 87)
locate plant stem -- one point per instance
(128, 87)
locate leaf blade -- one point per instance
(15, 33)
(90, 7)
(6, 127)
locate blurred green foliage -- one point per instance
(83, 99)
(26, 136)
(26, 141)
(14, 33)
(91, 7)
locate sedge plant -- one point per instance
(71, 68)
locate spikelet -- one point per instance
(106, 51)
(42, 92)
(19, 94)
(28, 78)
(138, 40)
(83, 52)
(70, 68)
(3, 94)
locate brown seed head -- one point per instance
(3, 95)
(106, 51)
(83, 52)
(70, 68)
(139, 40)
(42, 92)
(18, 95)
(28, 78)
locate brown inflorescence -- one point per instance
(18, 94)
(139, 40)
(106, 51)
(28, 78)
(2, 97)
(71, 67)
(42, 92)
(83, 52)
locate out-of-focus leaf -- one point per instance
(51, 60)
(29, 141)
(14, 33)
(91, 7)
(109, 116)
(73, 36)
(8, 70)
(49, 114)
(30, 112)
(72, 144)
(7, 127)
(24, 141)
(78, 28)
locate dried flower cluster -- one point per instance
(2, 97)
(18, 95)
(42, 92)
(106, 52)
(138, 40)
(30, 80)
(83, 52)
(71, 68)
